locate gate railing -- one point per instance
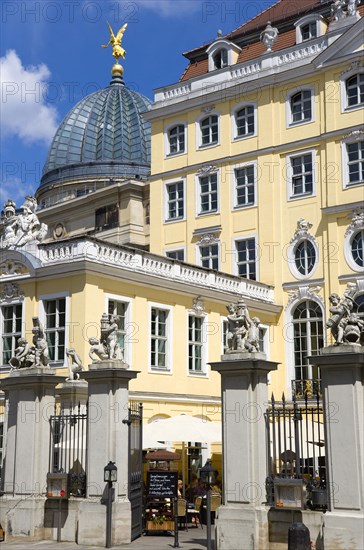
(68, 448)
(295, 446)
(135, 481)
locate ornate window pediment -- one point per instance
(13, 267)
(10, 292)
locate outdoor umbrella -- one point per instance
(183, 428)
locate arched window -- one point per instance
(220, 59)
(305, 257)
(357, 248)
(355, 90)
(308, 338)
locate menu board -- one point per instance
(162, 484)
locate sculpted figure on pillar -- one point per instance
(108, 347)
(243, 332)
(19, 229)
(346, 327)
(74, 364)
(27, 356)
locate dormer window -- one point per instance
(221, 58)
(222, 53)
(309, 27)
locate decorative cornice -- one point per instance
(11, 292)
(12, 267)
(208, 238)
(302, 232)
(207, 169)
(357, 222)
(304, 292)
(354, 66)
(208, 109)
(355, 135)
(198, 306)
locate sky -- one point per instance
(51, 57)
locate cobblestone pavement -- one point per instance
(193, 539)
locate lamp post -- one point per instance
(208, 476)
(110, 476)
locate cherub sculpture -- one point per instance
(74, 364)
(252, 337)
(346, 326)
(97, 351)
(115, 41)
(239, 323)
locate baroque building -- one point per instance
(242, 180)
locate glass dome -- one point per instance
(104, 135)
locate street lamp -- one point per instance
(110, 477)
(208, 476)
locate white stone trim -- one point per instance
(167, 153)
(209, 170)
(299, 237)
(42, 318)
(234, 256)
(222, 44)
(356, 225)
(131, 328)
(234, 167)
(292, 92)
(204, 356)
(166, 183)
(289, 174)
(24, 332)
(356, 67)
(169, 342)
(175, 249)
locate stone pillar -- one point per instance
(108, 387)
(71, 394)
(30, 399)
(242, 521)
(342, 382)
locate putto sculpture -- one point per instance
(346, 327)
(27, 356)
(19, 229)
(107, 347)
(243, 332)
(75, 365)
(344, 8)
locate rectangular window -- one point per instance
(210, 256)
(55, 327)
(245, 121)
(209, 130)
(176, 254)
(246, 258)
(301, 175)
(195, 343)
(355, 154)
(107, 217)
(208, 193)
(309, 31)
(176, 138)
(159, 338)
(244, 178)
(301, 108)
(119, 310)
(11, 330)
(175, 201)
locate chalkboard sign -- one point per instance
(162, 484)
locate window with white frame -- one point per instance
(307, 319)
(354, 86)
(178, 254)
(220, 58)
(308, 31)
(209, 256)
(245, 121)
(355, 162)
(175, 201)
(305, 257)
(55, 327)
(159, 338)
(301, 175)
(119, 310)
(224, 335)
(301, 106)
(176, 139)
(263, 331)
(209, 130)
(245, 186)
(11, 330)
(208, 193)
(246, 255)
(309, 27)
(195, 344)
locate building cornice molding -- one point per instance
(173, 397)
(338, 208)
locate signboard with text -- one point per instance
(162, 484)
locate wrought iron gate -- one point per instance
(135, 423)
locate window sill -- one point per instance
(347, 109)
(210, 213)
(197, 374)
(242, 138)
(159, 370)
(302, 196)
(355, 184)
(299, 123)
(172, 155)
(208, 146)
(174, 220)
(244, 206)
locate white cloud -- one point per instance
(13, 188)
(171, 8)
(25, 112)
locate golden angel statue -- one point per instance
(115, 41)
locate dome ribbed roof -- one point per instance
(103, 135)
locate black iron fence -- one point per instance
(296, 449)
(135, 481)
(306, 388)
(68, 448)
